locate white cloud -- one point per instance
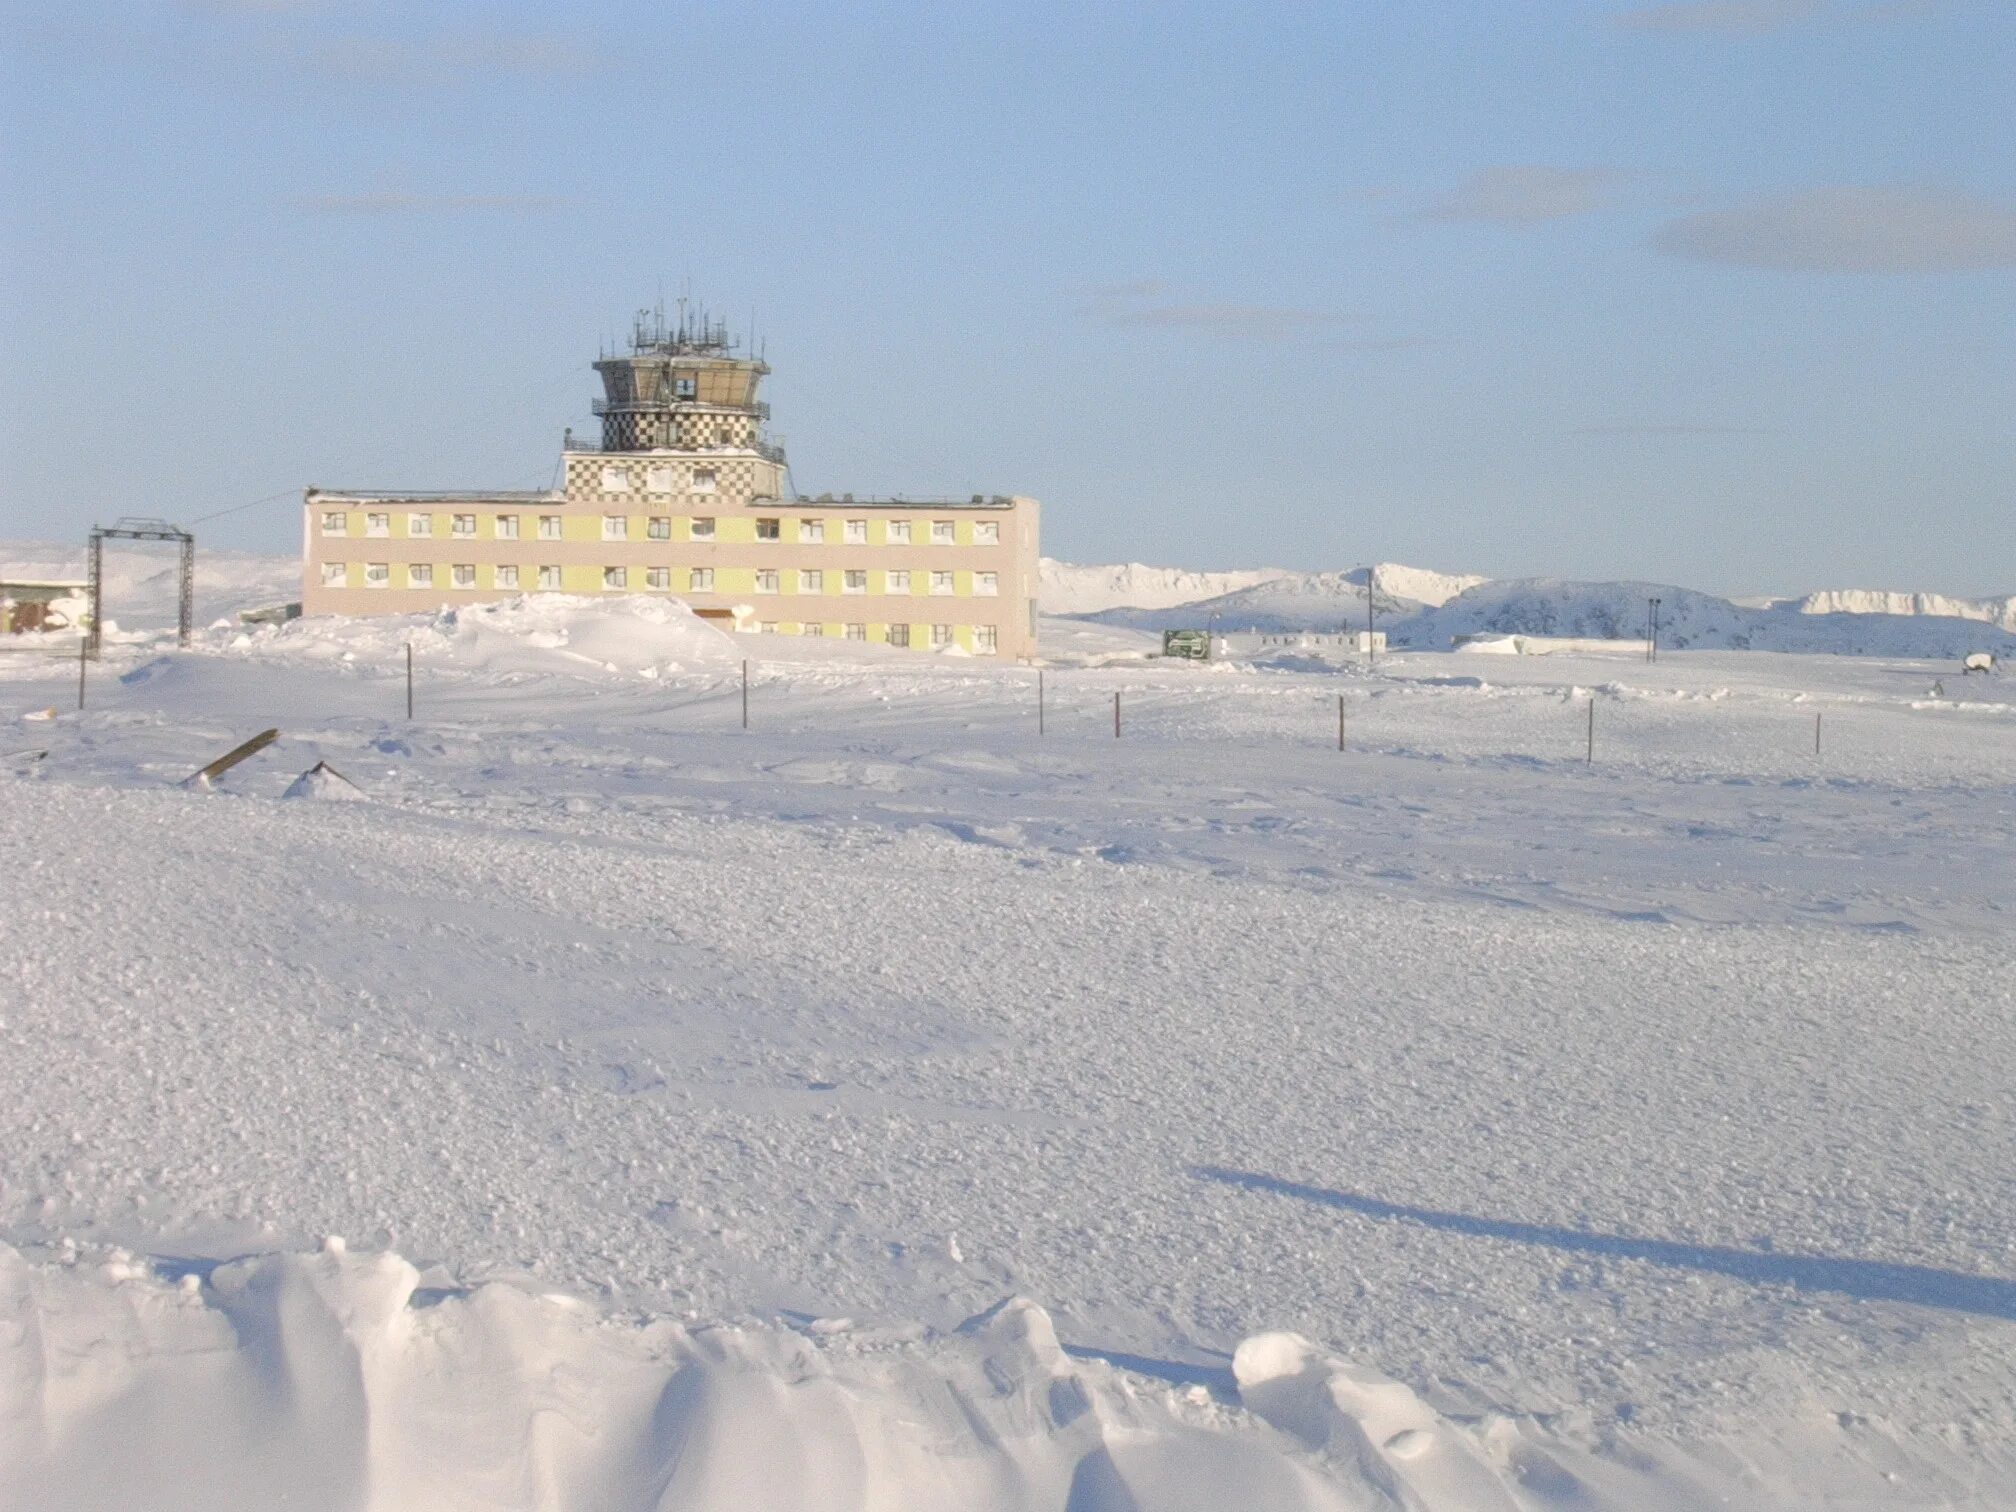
(1745, 16)
(1524, 195)
(1852, 229)
(398, 202)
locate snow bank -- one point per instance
(336, 1381)
(533, 633)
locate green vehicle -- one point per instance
(1190, 645)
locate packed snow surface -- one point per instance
(890, 1106)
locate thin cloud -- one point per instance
(1525, 195)
(1852, 229)
(456, 57)
(1739, 16)
(1639, 428)
(396, 202)
(1758, 17)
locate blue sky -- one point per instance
(1711, 293)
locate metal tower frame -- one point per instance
(128, 528)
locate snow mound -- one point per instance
(533, 633)
(325, 784)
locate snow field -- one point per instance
(1650, 1122)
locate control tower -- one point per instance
(682, 388)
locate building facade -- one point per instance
(686, 496)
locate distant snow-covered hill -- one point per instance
(1996, 611)
(1065, 588)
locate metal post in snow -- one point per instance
(409, 679)
(1816, 734)
(1340, 721)
(1116, 714)
(745, 695)
(1591, 758)
(83, 661)
(1039, 700)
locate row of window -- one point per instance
(986, 638)
(504, 527)
(698, 579)
(660, 477)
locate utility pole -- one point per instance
(1371, 593)
(1651, 629)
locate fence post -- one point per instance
(409, 679)
(1340, 721)
(745, 694)
(1591, 758)
(1039, 700)
(1116, 714)
(1816, 734)
(83, 652)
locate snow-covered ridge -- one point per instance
(1997, 611)
(1070, 589)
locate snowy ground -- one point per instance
(1639, 1131)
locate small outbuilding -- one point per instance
(32, 604)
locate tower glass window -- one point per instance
(857, 632)
(658, 477)
(987, 584)
(657, 577)
(766, 579)
(986, 639)
(941, 636)
(899, 581)
(615, 527)
(377, 575)
(769, 530)
(812, 531)
(987, 533)
(462, 525)
(377, 524)
(463, 574)
(899, 635)
(811, 580)
(615, 478)
(615, 577)
(420, 575)
(941, 582)
(700, 580)
(899, 532)
(854, 581)
(856, 533)
(505, 575)
(705, 480)
(660, 528)
(334, 574)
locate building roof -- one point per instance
(471, 496)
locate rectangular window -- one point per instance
(899, 532)
(941, 533)
(987, 584)
(857, 632)
(685, 386)
(941, 582)
(660, 528)
(335, 522)
(334, 574)
(767, 627)
(812, 531)
(549, 527)
(505, 575)
(703, 527)
(420, 575)
(941, 636)
(700, 580)
(463, 574)
(704, 481)
(899, 582)
(658, 478)
(377, 575)
(987, 533)
(377, 524)
(854, 581)
(769, 530)
(615, 577)
(615, 478)
(766, 579)
(549, 578)
(507, 527)
(811, 580)
(615, 527)
(812, 629)
(462, 525)
(855, 533)
(657, 577)
(899, 635)
(420, 526)
(986, 639)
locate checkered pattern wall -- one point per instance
(735, 478)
